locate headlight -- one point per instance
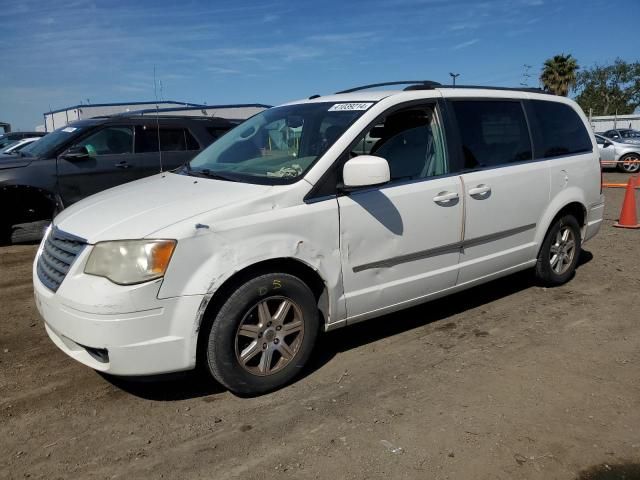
(130, 261)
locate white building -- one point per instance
(607, 122)
(59, 118)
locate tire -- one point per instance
(630, 167)
(270, 349)
(559, 255)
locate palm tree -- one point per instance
(559, 74)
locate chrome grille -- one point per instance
(58, 253)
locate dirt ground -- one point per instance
(506, 381)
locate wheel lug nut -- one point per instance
(278, 328)
(259, 334)
(276, 341)
(268, 324)
(264, 346)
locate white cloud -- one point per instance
(465, 44)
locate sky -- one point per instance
(58, 53)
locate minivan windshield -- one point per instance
(50, 141)
(279, 144)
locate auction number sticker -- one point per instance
(69, 129)
(350, 107)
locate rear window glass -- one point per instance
(561, 130)
(171, 139)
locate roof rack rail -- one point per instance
(137, 115)
(484, 87)
(423, 83)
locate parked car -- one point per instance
(7, 139)
(18, 145)
(612, 151)
(291, 224)
(626, 135)
(89, 156)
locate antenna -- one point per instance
(155, 92)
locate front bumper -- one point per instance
(159, 337)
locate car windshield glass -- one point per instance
(279, 144)
(6, 141)
(50, 141)
(22, 146)
(630, 134)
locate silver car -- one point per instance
(612, 151)
(626, 135)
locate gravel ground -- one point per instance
(508, 380)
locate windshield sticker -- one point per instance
(292, 171)
(350, 107)
(69, 129)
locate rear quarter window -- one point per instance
(561, 131)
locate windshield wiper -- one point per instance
(205, 172)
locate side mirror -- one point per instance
(607, 144)
(365, 171)
(77, 153)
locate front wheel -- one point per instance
(631, 163)
(559, 253)
(263, 334)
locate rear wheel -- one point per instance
(632, 163)
(263, 334)
(559, 253)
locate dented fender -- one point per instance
(222, 247)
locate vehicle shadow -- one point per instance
(168, 387)
(360, 334)
(195, 384)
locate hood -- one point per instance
(139, 208)
(13, 161)
(632, 141)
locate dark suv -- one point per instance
(89, 156)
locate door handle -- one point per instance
(445, 197)
(480, 190)
(122, 164)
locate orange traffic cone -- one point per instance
(628, 215)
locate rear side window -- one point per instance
(217, 132)
(171, 139)
(492, 132)
(561, 130)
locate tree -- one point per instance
(559, 74)
(610, 89)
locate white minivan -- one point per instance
(314, 215)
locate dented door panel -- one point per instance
(399, 244)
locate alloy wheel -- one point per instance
(631, 164)
(562, 250)
(269, 336)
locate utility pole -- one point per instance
(454, 76)
(525, 75)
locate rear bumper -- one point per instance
(595, 215)
(151, 341)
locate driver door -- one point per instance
(110, 162)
